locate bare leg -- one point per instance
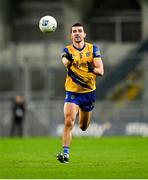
(70, 112)
(84, 119)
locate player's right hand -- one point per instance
(90, 67)
(68, 56)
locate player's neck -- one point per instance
(79, 45)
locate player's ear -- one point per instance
(84, 35)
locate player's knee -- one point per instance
(69, 122)
(69, 125)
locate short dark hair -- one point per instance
(77, 25)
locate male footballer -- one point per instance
(83, 63)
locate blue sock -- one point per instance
(66, 149)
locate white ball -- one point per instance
(47, 24)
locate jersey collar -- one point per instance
(79, 49)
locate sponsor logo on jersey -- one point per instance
(81, 55)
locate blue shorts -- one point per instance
(85, 101)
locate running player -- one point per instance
(83, 63)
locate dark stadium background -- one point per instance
(116, 145)
(30, 64)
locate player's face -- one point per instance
(78, 34)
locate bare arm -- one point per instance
(66, 62)
(98, 66)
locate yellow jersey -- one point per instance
(78, 78)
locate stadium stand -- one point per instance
(28, 14)
(129, 89)
(122, 70)
(30, 63)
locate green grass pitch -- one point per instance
(106, 157)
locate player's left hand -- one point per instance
(90, 67)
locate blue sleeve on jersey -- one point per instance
(96, 52)
(65, 50)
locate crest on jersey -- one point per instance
(87, 54)
(72, 97)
